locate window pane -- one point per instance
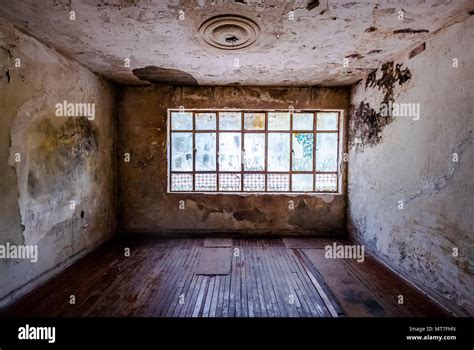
(303, 121)
(278, 121)
(229, 182)
(206, 182)
(278, 152)
(302, 151)
(278, 182)
(254, 182)
(181, 120)
(205, 151)
(302, 182)
(230, 120)
(326, 152)
(205, 121)
(327, 121)
(254, 152)
(254, 121)
(182, 151)
(181, 182)
(230, 151)
(326, 182)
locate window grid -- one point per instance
(244, 131)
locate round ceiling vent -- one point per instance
(229, 32)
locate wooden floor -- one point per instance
(266, 279)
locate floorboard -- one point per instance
(267, 278)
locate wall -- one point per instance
(145, 205)
(409, 200)
(48, 161)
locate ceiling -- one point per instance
(162, 39)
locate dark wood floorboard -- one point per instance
(158, 279)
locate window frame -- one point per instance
(266, 132)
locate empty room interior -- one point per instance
(236, 158)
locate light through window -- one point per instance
(254, 151)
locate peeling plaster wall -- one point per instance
(145, 205)
(412, 161)
(62, 159)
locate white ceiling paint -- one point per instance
(306, 50)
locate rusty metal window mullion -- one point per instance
(217, 151)
(290, 177)
(194, 151)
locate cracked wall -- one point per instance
(408, 160)
(145, 205)
(48, 161)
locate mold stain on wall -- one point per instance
(367, 123)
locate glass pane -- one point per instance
(181, 182)
(230, 120)
(254, 152)
(182, 151)
(327, 121)
(301, 182)
(278, 151)
(302, 151)
(205, 151)
(205, 121)
(206, 182)
(254, 121)
(279, 121)
(229, 182)
(326, 182)
(230, 151)
(254, 182)
(181, 121)
(326, 152)
(303, 121)
(278, 182)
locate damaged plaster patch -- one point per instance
(410, 31)
(207, 211)
(55, 168)
(366, 123)
(253, 215)
(158, 75)
(304, 216)
(312, 5)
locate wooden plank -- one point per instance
(258, 312)
(329, 305)
(194, 296)
(315, 298)
(207, 302)
(198, 307)
(215, 294)
(274, 307)
(281, 285)
(353, 296)
(185, 273)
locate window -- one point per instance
(254, 151)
